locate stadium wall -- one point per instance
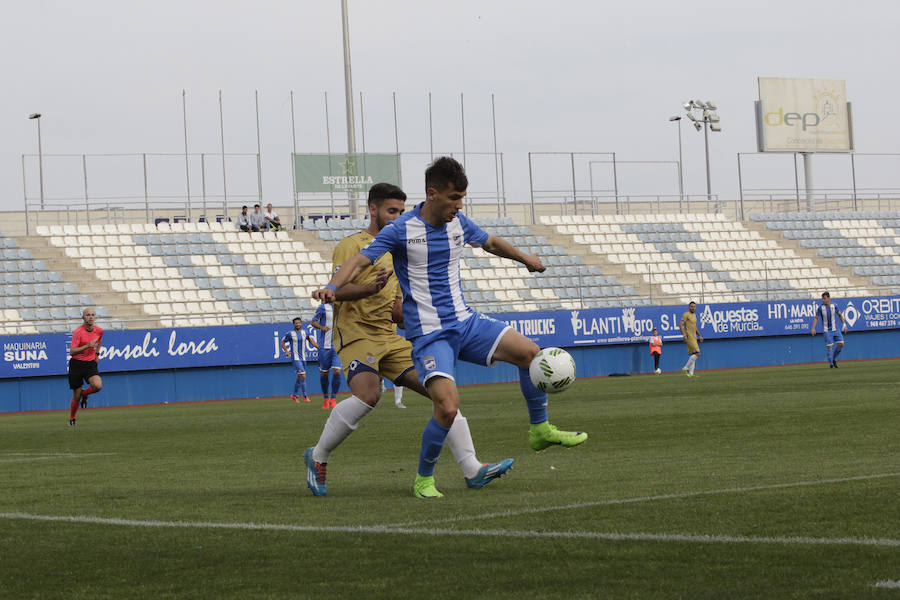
(268, 380)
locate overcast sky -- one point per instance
(567, 77)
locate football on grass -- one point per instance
(552, 370)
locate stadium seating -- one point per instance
(33, 298)
(193, 274)
(493, 284)
(704, 256)
(867, 242)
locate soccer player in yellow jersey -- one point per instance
(367, 310)
(690, 333)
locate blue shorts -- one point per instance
(300, 366)
(833, 336)
(474, 340)
(329, 359)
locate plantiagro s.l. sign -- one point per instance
(803, 115)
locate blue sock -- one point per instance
(324, 380)
(534, 398)
(297, 384)
(432, 442)
(335, 383)
(830, 355)
(303, 387)
(837, 350)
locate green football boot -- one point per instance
(544, 434)
(424, 488)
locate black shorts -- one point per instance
(80, 371)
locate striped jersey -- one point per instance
(296, 343)
(426, 263)
(829, 317)
(325, 317)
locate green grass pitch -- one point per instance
(757, 483)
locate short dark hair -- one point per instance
(243, 207)
(297, 319)
(444, 172)
(256, 206)
(691, 302)
(826, 294)
(380, 192)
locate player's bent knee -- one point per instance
(517, 349)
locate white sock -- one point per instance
(340, 424)
(398, 394)
(459, 438)
(692, 361)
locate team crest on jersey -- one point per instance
(430, 363)
(370, 358)
(458, 240)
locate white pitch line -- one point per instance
(26, 457)
(500, 533)
(888, 584)
(738, 490)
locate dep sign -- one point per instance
(803, 115)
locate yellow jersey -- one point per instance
(690, 325)
(367, 317)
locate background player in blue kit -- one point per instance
(329, 361)
(834, 340)
(427, 244)
(294, 348)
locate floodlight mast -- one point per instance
(710, 120)
(348, 92)
(677, 119)
(37, 117)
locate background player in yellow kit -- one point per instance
(690, 333)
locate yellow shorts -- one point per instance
(390, 357)
(692, 345)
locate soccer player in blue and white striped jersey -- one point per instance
(426, 244)
(329, 361)
(834, 340)
(294, 347)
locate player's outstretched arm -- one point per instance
(812, 330)
(341, 276)
(499, 247)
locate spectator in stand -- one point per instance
(244, 220)
(257, 222)
(273, 222)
